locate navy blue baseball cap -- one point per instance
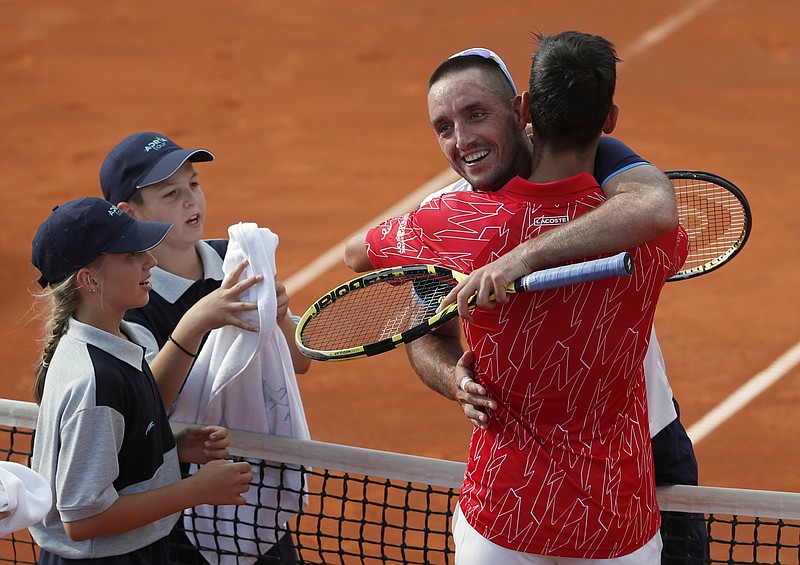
(143, 159)
(78, 232)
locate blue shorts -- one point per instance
(685, 535)
(673, 454)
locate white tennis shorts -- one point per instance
(474, 549)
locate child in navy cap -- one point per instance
(141, 160)
(103, 441)
(82, 230)
(153, 178)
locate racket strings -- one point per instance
(712, 216)
(376, 312)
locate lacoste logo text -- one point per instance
(550, 220)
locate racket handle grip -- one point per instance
(615, 266)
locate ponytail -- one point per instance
(63, 298)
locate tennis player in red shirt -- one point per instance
(564, 467)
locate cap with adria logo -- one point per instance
(78, 232)
(143, 159)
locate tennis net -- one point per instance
(368, 506)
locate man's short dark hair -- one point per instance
(572, 82)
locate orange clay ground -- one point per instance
(317, 115)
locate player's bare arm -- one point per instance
(640, 207)
(442, 364)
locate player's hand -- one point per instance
(222, 482)
(222, 307)
(201, 444)
(490, 281)
(472, 397)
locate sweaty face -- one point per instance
(479, 131)
(178, 200)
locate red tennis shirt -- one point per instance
(565, 467)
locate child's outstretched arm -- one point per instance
(219, 308)
(219, 482)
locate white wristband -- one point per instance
(464, 380)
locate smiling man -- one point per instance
(482, 134)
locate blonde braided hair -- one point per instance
(63, 298)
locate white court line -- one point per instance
(715, 417)
(786, 362)
(666, 28)
(744, 394)
(336, 253)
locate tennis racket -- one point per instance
(716, 215)
(382, 310)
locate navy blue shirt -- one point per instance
(612, 158)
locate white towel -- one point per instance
(24, 493)
(246, 381)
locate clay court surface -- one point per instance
(316, 112)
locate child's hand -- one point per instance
(201, 444)
(222, 482)
(222, 307)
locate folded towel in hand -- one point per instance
(246, 381)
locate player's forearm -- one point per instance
(650, 195)
(640, 207)
(434, 357)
